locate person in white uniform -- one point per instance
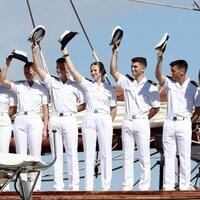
(8, 107)
(97, 121)
(67, 97)
(29, 129)
(182, 97)
(142, 102)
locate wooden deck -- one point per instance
(153, 195)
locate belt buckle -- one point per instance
(95, 111)
(133, 116)
(61, 114)
(26, 113)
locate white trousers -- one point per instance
(28, 137)
(5, 135)
(67, 136)
(177, 136)
(96, 125)
(136, 131)
(5, 132)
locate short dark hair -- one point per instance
(60, 60)
(29, 64)
(141, 60)
(101, 67)
(181, 64)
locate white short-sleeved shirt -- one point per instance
(139, 98)
(181, 98)
(99, 97)
(64, 97)
(30, 98)
(7, 98)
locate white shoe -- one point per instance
(168, 189)
(36, 190)
(59, 189)
(126, 189)
(105, 189)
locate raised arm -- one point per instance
(41, 73)
(158, 73)
(77, 77)
(113, 64)
(4, 71)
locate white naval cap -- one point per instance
(37, 34)
(116, 36)
(162, 43)
(20, 55)
(66, 37)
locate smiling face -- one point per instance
(177, 73)
(178, 70)
(137, 69)
(95, 72)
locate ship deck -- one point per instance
(95, 195)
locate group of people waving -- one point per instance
(98, 99)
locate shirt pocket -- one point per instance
(128, 90)
(107, 93)
(37, 92)
(55, 86)
(143, 100)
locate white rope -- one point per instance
(43, 61)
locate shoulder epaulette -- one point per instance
(55, 77)
(88, 79)
(195, 83)
(169, 77)
(20, 81)
(152, 82)
(130, 77)
(42, 83)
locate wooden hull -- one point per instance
(153, 195)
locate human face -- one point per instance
(29, 73)
(137, 69)
(176, 73)
(61, 69)
(95, 73)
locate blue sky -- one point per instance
(143, 26)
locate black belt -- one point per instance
(178, 118)
(68, 114)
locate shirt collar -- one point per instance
(141, 82)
